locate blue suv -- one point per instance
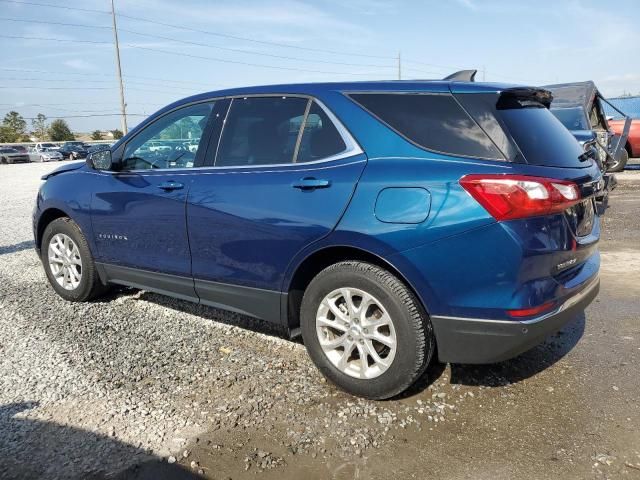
(382, 221)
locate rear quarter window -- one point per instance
(433, 121)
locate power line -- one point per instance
(49, 72)
(91, 116)
(62, 24)
(49, 39)
(215, 59)
(237, 62)
(206, 32)
(200, 44)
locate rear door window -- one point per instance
(434, 121)
(261, 131)
(320, 138)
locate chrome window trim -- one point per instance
(352, 146)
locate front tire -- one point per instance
(68, 262)
(365, 330)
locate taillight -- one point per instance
(507, 197)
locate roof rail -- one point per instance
(462, 76)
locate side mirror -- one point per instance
(100, 160)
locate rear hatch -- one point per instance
(520, 124)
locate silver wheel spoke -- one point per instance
(383, 339)
(333, 343)
(65, 261)
(332, 324)
(343, 328)
(342, 364)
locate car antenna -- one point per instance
(462, 76)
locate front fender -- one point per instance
(70, 194)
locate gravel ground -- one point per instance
(142, 386)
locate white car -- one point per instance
(46, 146)
(48, 155)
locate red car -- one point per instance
(633, 142)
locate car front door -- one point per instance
(138, 211)
(284, 172)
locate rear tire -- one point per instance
(619, 166)
(376, 350)
(68, 262)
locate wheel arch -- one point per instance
(48, 216)
(320, 259)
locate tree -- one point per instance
(117, 134)
(59, 131)
(14, 127)
(96, 135)
(40, 126)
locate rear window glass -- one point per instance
(432, 121)
(320, 138)
(538, 134)
(573, 118)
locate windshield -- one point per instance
(48, 145)
(8, 150)
(572, 118)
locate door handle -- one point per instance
(170, 185)
(310, 183)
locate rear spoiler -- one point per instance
(510, 97)
(462, 76)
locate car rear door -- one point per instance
(283, 174)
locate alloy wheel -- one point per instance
(65, 261)
(356, 333)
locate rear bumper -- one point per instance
(467, 340)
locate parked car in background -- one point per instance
(73, 150)
(632, 145)
(11, 155)
(384, 221)
(39, 147)
(579, 106)
(49, 155)
(98, 146)
(19, 148)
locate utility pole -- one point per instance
(123, 105)
(399, 67)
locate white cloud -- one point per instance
(79, 64)
(468, 4)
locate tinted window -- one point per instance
(524, 126)
(170, 142)
(320, 138)
(261, 131)
(432, 121)
(572, 118)
(540, 136)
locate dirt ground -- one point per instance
(138, 386)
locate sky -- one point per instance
(63, 63)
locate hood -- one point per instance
(65, 168)
(578, 94)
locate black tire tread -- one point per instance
(418, 317)
(96, 287)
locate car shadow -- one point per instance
(17, 247)
(38, 449)
(217, 315)
(525, 365)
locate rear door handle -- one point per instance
(310, 183)
(170, 185)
